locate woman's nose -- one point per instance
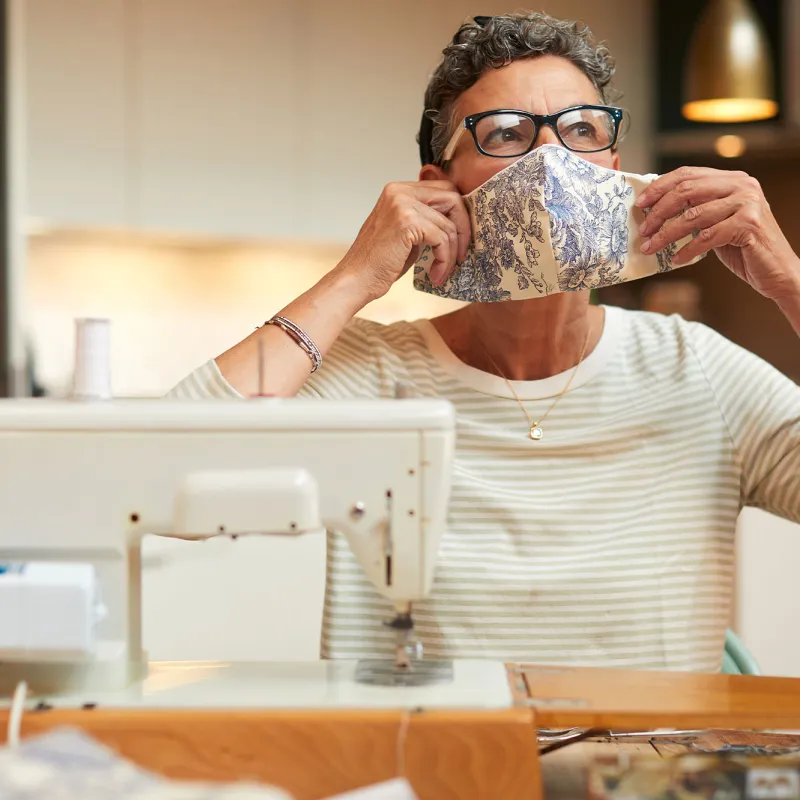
(546, 136)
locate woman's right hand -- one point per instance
(407, 217)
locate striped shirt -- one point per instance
(610, 542)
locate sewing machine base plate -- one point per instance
(475, 684)
(385, 672)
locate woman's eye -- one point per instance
(503, 135)
(582, 129)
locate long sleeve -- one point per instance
(761, 410)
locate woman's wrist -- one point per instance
(790, 305)
(345, 289)
(789, 302)
(325, 309)
(321, 313)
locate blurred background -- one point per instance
(186, 167)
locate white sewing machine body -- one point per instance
(84, 482)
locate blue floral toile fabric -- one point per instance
(550, 222)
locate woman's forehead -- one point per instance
(541, 85)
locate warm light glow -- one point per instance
(744, 38)
(730, 146)
(199, 298)
(740, 109)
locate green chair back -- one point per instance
(736, 658)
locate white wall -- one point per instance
(768, 603)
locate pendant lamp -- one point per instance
(729, 72)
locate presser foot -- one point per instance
(403, 626)
(408, 667)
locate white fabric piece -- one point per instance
(397, 789)
(66, 764)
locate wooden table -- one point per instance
(642, 700)
(316, 754)
(445, 754)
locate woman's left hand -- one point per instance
(731, 216)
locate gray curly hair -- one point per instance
(493, 43)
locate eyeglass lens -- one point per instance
(584, 130)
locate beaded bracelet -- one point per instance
(301, 338)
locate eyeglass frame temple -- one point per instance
(539, 120)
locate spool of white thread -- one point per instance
(92, 379)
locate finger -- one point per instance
(716, 236)
(685, 195)
(447, 186)
(412, 186)
(694, 218)
(665, 183)
(445, 249)
(423, 232)
(450, 203)
(421, 227)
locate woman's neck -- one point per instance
(524, 340)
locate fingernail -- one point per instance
(642, 229)
(647, 246)
(640, 201)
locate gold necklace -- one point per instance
(536, 432)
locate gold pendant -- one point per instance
(536, 433)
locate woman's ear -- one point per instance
(615, 160)
(430, 172)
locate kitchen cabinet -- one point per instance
(367, 95)
(366, 103)
(218, 111)
(265, 119)
(176, 117)
(224, 118)
(78, 139)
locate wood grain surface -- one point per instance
(445, 755)
(642, 700)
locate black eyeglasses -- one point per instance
(505, 133)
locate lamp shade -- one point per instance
(729, 74)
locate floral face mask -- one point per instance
(550, 222)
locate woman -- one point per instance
(607, 538)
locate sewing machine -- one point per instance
(83, 483)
